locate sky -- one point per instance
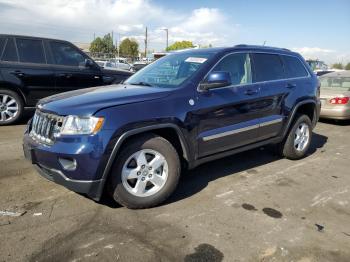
(317, 29)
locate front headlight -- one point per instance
(75, 125)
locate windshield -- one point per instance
(335, 83)
(170, 71)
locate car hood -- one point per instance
(85, 102)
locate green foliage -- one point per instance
(338, 66)
(102, 45)
(180, 45)
(347, 67)
(129, 48)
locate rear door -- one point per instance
(269, 74)
(69, 68)
(24, 64)
(229, 116)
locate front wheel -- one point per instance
(298, 140)
(146, 172)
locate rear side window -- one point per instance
(10, 53)
(65, 54)
(267, 67)
(294, 67)
(30, 51)
(2, 44)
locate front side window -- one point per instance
(336, 83)
(267, 67)
(30, 51)
(238, 66)
(10, 53)
(171, 70)
(67, 55)
(294, 67)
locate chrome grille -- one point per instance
(45, 127)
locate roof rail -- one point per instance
(261, 46)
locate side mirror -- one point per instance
(216, 80)
(89, 63)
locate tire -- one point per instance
(289, 148)
(10, 103)
(125, 191)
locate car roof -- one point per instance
(237, 48)
(345, 73)
(33, 37)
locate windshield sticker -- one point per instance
(198, 60)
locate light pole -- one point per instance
(167, 37)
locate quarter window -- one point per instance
(67, 55)
(30, 51)
(294, 67)
(238, 65)
(267, 67)
(10, 53)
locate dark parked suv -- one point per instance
(32, 68)
(187, 108)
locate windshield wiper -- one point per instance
(140, 84)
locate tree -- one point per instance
(102, 45)
(108, 40)
(180, 45)
(347, 67)
(97, 46)
(338, 66)
(129, 48)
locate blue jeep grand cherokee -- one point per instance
(185, 109)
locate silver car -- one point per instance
(335, 95)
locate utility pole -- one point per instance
(146, 40)
(112, 41)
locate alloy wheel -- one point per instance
(301, 137)
(8, 107)
(145, 173)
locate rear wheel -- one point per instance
(298, 140)
(11, 107)
(146, 172)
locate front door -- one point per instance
(229, 117)
(70, 70)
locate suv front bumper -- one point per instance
(87, 178)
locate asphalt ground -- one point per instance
(251, 206)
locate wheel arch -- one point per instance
(159, 129)
(14, 88)
(307, 107)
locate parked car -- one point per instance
(120, 63)
(138, 66)
(335, 95)
(182, 110)
(32, 68)
(111, 66)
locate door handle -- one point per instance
(18, 73)
(291, 86)
(250, 92)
